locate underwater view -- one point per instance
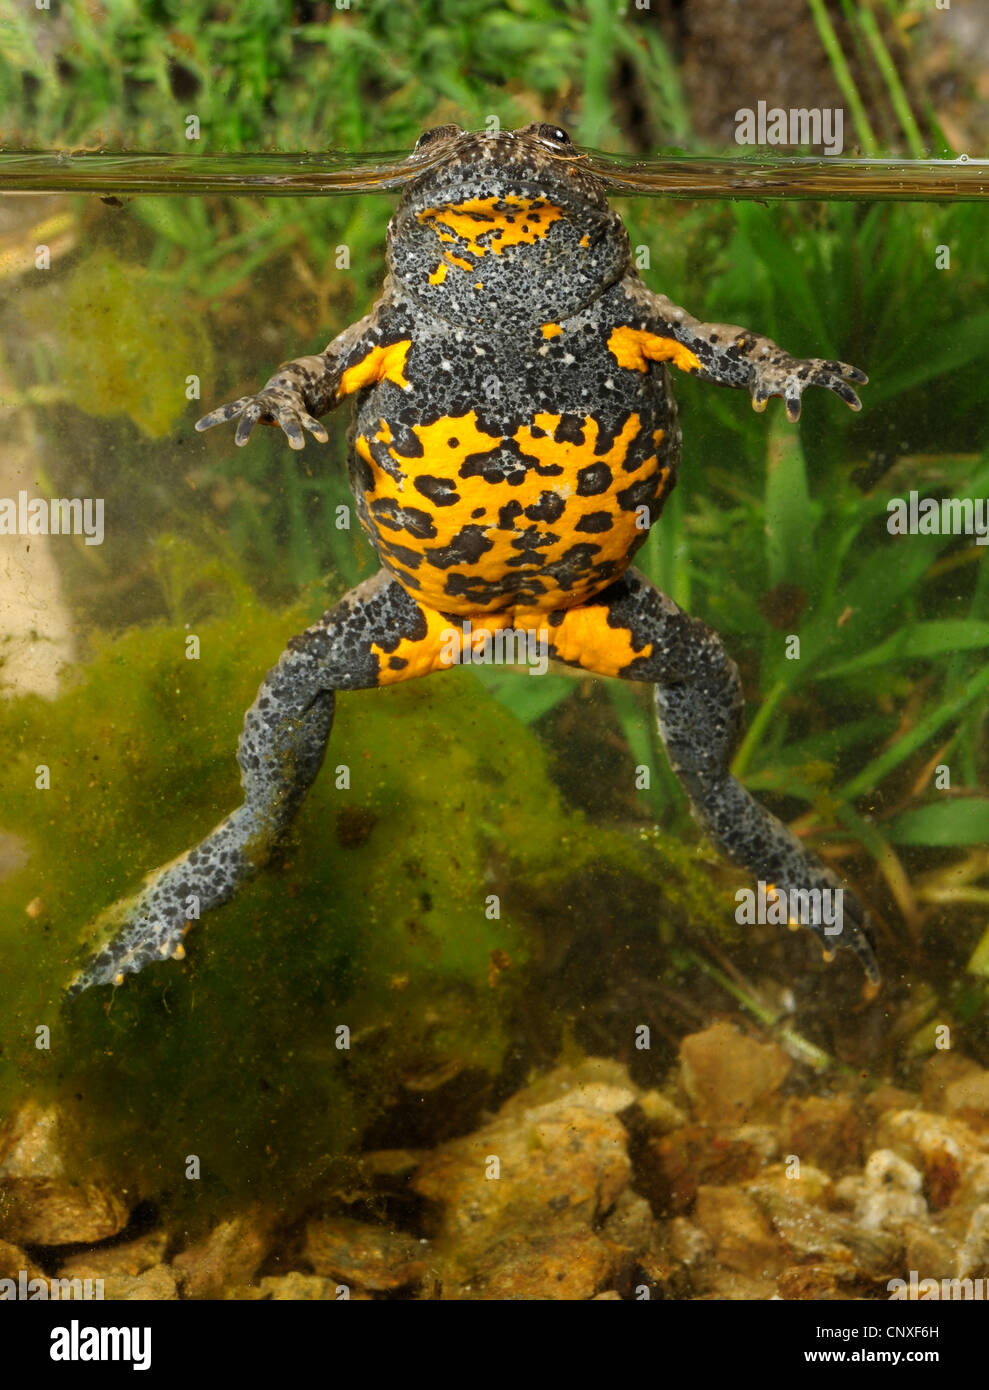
(467, 978)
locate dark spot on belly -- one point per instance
(404, 441)
(507, 515)
(593, 479)
(466, 548)
(595, 522)
(441, 491)
(633, 464)
(401, 553)
(570, 430)
(550, 507)
(530, 543)
(574, 565)
(494, 466)
(387, 512)
(639, 493)
(476, 590)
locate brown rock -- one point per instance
(41, 1203)
(131, 1258)
(728, 1076)
(967, 1099)
(157, 1284)
(825, 1131)
(742, 1236)
(13, 1259)
(230, 1254)
(674, 1166)
(889, 1097)
(300, 1288)
(630, 1223)
(781, 1182)
(362, 1256)
(927, 1251)
(823, 1281)
(941, 1071)
(729, 1285)
(661, 1115)
(568, 1265)
(973, 1257)
(690, 1245)
(946, 1151)
(516, 1200)
(558, 1165)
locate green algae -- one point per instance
(149, 341)
(389, 938)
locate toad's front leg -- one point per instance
(658, 330)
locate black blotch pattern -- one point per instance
(402, 553)
(595, 522)
(593, 479)
(570, 430)
(550, 507)
(466, 548)
(440, 491)
(387, 512)
(494, 466)
(639, 493)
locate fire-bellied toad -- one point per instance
(514, 437)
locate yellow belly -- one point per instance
(430, 509)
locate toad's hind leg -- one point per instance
(634, 631)
(376, 635)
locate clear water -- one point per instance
(373, 919)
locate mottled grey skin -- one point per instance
(699, 711)
(580, 276)
(281, 750)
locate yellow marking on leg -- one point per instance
(635, 348)
(421, 655)
(379, 364)
(439, 274)
(586, 638)
(551, 330)
(438, 649)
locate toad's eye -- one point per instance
(554, 136)
(437, 132)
